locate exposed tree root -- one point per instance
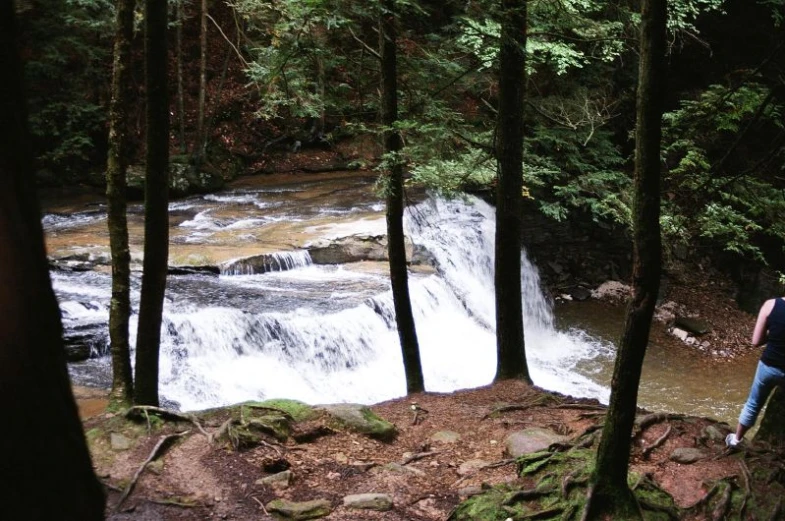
(268, 408)
(525, 495)
(159, 448)
(745, 472)
(173, 503)
(569, 481)
(581, 406)
(540, 514)
(658, 442)
(723, 505)
(672, 513)
(420, 455)
(642, 422)
(539, 401)
(138, 412)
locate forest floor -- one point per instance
(427, 476)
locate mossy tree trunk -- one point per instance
(156, 211)
(46, 471)
(772, 425)
(609, 493)
(393, 144)
(117, 164)
(510, 346)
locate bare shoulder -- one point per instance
(767, 306)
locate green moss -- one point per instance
(485, 507)
(298, 411)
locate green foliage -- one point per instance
(69, 45)
(709, 196)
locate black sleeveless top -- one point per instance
(774, 354)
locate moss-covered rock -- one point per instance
(296, 410)
(359, 418)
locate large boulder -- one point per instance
(183, 180)
(361, 247)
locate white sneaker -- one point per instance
(731, 440)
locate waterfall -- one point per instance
(283, 327)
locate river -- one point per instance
(325, 332)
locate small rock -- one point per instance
(279, 480)
(687, 455)
(370, 501)
(715, 433)
(156, 467)
(469, 491)
(680, 333)
(340, 457)
(531, 440)
(300, 510)
(471, 466)
(445, 437)
(119, 441)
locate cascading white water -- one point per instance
(348, 351)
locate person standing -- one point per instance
(769, 329)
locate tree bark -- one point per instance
(772, 425)
(117, 163)
(46, 470)
(201, 137)
(156, 222)
(609, 493)
(180, 94)
(396, 247)
(510, 344)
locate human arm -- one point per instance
(759, 333)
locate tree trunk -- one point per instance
(46, 470)
(510, 346)
(156, 211)
(609, 493)
(117, 163)
(772, 425)
(396, 247)
(180, 94)
(201, 137)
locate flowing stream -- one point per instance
(325, 332)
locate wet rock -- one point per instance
(692, 325)
(119, 442)
(266, 262)
(369, 501)
(278, 481)
(360, 247)
(300, 510)
(184, 180)
(360, 418)
(612, 290)
(531, 440)
(580, 293)
(687, 455)
(447, 437)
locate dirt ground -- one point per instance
(197, 479)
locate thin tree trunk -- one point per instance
(510, 346)
(46, 471)
(201, 137)
(180, 94)
(772, 425)
(156, 222)
(117, 163)
(609, 492)
(396, 247)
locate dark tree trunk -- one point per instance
(201, 135)
(46, 471)
(180, 94)
(156, 195)
(393, 144)
(609, 494)
(772, 425)
(117, 163)
(510, 346)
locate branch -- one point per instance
(367, 47)
(236, 50)
(159, 448)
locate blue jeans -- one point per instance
(766, 378)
